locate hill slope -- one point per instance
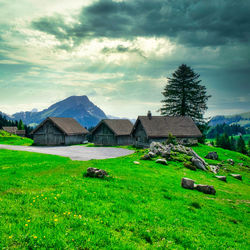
(50, 204)
(77, 107)
(241, 119)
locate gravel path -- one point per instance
(80, 153)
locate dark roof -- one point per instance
(69, 126)
(11, 130)
(162, 126)
(20, 132)
(118, 126)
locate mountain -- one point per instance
(77, 107)
(116, 117)
(242, 119)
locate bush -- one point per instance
(171, 139)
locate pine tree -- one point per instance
(233, 143)
(20, 125)
(241, 146)
(184, 95)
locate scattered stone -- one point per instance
(221, 178)
(145, 157)
(96, 173)
(215, 169)
(187, 183)
(230, 161)
(136, 162)
(161, 161)
(206, 189)
(212, 156)
(199, 164)
(240, 164)
(152, 154)
(166, 154)
(237, 176)
(190, 166)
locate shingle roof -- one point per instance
(67, 125)
(162, 126)
(11, 130)
(118, 126)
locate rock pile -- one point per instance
(237, 176)
(170, 152)
(96, 173)
(190, 184)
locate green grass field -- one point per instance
(10, 139)
(46, 202)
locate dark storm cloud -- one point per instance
(122, 49)
(193, 22)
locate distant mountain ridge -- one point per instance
(77, 107)
(242, 119)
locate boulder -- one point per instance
(145, 157)
(215, 169)
(136, 162)
(152, 154)
(166, 154)
(161, 161)
(198, 163)
(190, 166)
(187, 183)
(212, 156)
(96, 173)
(206, 189)
(221, 178)
(237, 176)
(230, 161)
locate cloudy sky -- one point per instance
(119, 53)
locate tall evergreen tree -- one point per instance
(241, 146)
(184, 95)
(20, 125)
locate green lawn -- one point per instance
(46, 202)
(10, 139)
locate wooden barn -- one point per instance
(59, 131)
(157, 128)
(113, 132)
(15, 131)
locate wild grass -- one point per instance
(45, 202)
(10, 139)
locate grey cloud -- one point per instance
(122, 49)
(196, 23)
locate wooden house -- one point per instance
(59, 131)
(157, 128)
(14, 130)
(113, 132)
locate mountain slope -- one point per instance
(241, 119)
(77, 107)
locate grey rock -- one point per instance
(166, 154)
(214, 169)
(145, 157)
(206, 189)
(237, 176)
(152, 154)
(230, 161)
(199, 164)
(187, 183)
(161, 161)
(96, 173)
(136, 162)
(212, 156)
(221, 178)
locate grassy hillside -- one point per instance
(10, 139)
(45, 201)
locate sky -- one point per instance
(120, 52)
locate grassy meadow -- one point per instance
(10, 139)
(47, 202)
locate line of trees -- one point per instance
(226, 142)
(230, 130)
